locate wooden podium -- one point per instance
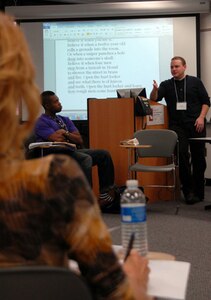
(111, 121)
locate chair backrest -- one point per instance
(42, 283)
(162, 141)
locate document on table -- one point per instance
(168, 279)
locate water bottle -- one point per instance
(133, 218)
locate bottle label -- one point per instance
(133, 214)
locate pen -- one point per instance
(130, 245)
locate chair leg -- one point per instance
(131, 175)
(175, 193)
(177, 209)
(176, 200)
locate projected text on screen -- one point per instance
(92, 59)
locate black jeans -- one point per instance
(87, 158)
(102, 159)
(192, 162)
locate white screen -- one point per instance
(92, 59)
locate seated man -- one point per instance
(57, 128)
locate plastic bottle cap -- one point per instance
(132, 182)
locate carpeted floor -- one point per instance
(186, 235)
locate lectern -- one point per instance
(110, 121)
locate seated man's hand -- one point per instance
(137, 271)
(58, 136)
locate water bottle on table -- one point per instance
(133, 218)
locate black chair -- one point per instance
(42, 283)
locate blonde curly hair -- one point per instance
(17, 86)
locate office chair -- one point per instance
(164, 143)
(42, 283)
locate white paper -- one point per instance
(134, 142)
(157, 117)
(38, 144)
(168, 279)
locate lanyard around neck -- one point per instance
(176, 93)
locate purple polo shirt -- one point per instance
(45, 126)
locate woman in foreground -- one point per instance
(47, 211)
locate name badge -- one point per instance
(181, 105)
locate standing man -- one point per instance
(187, 103)
(57, 128)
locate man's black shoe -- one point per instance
(192, 199)
(111, 208)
